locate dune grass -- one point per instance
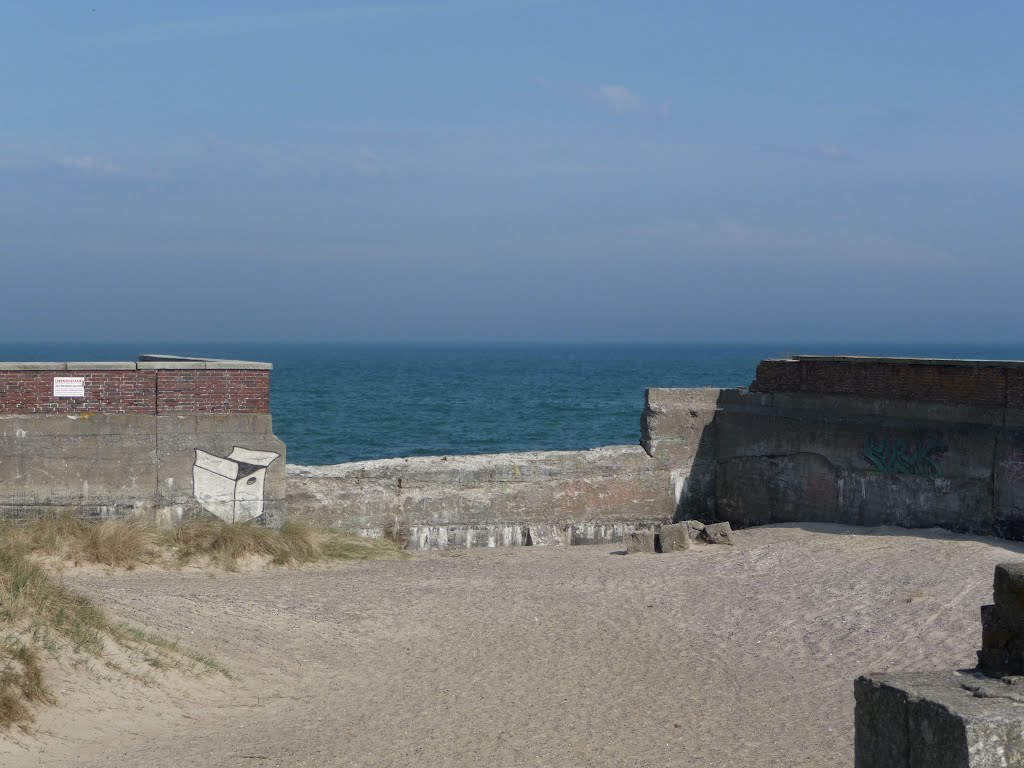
(227, 544)
(131, 543)
(42, 618)
(340, 545)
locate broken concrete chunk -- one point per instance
(696, 529)
(718, 533)
(639, 541)
(675, 537)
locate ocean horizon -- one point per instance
(338, 402)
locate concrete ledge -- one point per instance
(142, 365)
(908, 361)
(33, 366)
(428, 537)
(99, 366)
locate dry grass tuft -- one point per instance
(340, 545)
(21, 683)
(226, 544)
(119, 543)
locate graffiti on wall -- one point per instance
(898, 457)
(231, 487)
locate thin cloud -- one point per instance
(90, 164)
(619, 99)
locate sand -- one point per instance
(718, 656)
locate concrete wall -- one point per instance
(133, 442)
(863, 441)
(572, 497)
(490, 500)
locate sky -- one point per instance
(531, 170)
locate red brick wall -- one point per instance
(922, 382)
(135, 391)
(217, 391)
(24, 392)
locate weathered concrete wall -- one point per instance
(132, 443)
(678, 431)
(862, 441)
(583, 496)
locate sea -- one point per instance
(335, 403)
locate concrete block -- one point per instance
(674, 537)
(696, 529)
(1008, 591)
(937, 720)
(640, 542)
(881, 738)
(718, 533)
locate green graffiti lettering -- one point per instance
(896, 457)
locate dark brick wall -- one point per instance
(978, 385)
(139, 391)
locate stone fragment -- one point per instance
(675, 537)
(639, 541)
(718, 533)
(696, 529)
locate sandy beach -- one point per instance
(719, 656)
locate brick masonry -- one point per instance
(150, 390)
(132, 444)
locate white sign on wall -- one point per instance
(69, 386)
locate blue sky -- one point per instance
(497, 171)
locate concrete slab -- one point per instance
(938, 720)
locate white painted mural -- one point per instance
(231, 487)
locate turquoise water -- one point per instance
(335, 403)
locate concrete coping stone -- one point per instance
(33, 366)
(150, 362)
(142, 365)
(905, 361)
(147, 366)
(99, 366)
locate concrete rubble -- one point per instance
(965, 719)
(678, 537)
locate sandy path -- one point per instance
(741, 656)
